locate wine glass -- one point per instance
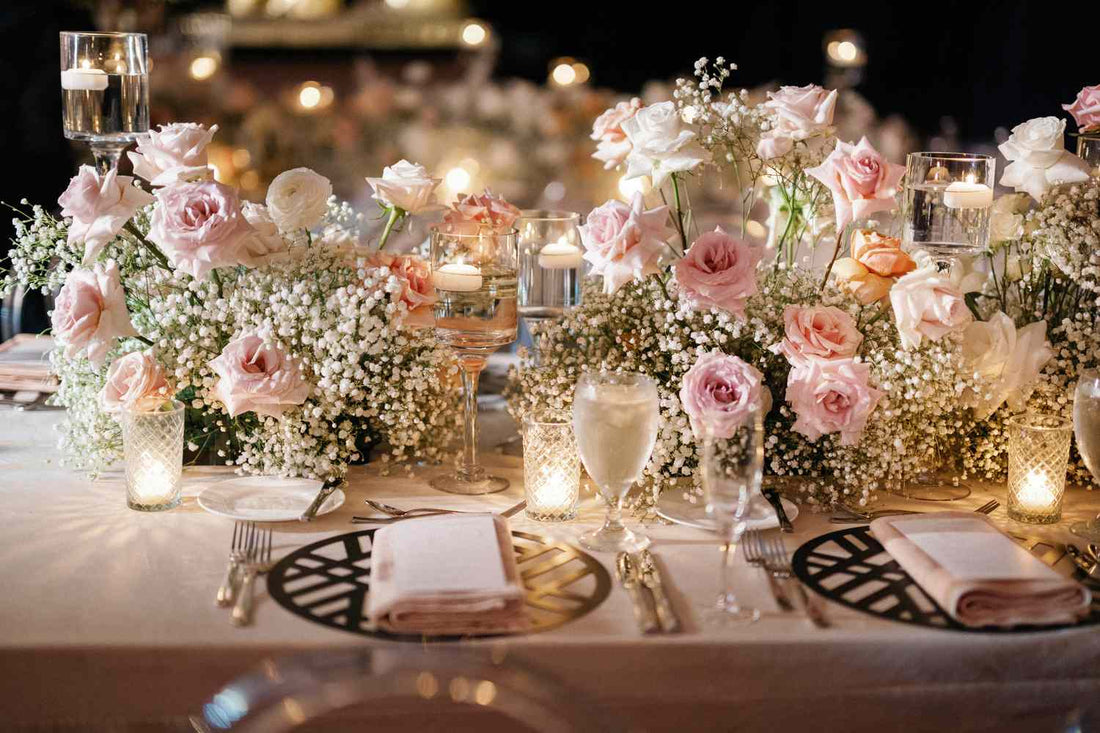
(1086, 428)
(105, 91)
(475, 314)
(615, 420)
(551, 264)
(732, 470)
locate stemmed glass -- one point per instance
(105, 91)
(550, 267)
(732, 470)
(615, 420)
(1086, 428)
(475, 314)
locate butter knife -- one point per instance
(626, 571)
(651, 579)
(326, 489)
(773, 498)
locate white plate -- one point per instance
(675, 508)
(266, 498)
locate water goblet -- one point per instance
(615, 420)
(475, 314)
(105, 91)
(1086, 429)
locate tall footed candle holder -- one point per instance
(1038, 454)
(152, 443)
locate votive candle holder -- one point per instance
(1038, 455)
(152, 444)
(551, 470)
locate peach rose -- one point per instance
(255, 376)
(415, 275)
(135, 383)
(866, 286)
(823, 332)
(472, 214)
(831, 396)
(880, 254)
(90, 312)
(613, 145)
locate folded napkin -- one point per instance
(24, 364)
(446, 575)
(978, 574)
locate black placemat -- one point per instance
(327, 583)
(851, 567)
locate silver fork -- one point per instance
(396, 512)
(228, 590)
(989, 507)
(753, 546)
(778, 563)
(257, 561)
(861, 517)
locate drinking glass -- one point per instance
(105, 91)
(551, 264)
(732, 470)
(475, 314)
(1086, 428)
(615, 420)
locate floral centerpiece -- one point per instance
(294, 348)
(877, 365)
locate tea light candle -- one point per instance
(560, 255)
(154, 482)
(1037, 492)
(551, 471)
(1038, 451)
(84, 79)
(968, 195)
(457, 277)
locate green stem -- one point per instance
(679, 212)
(218, 281)
(153, 249)
(142, 339)
(394, 217)
(836, 251)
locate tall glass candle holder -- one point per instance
(475, 314)
(551, 266)
(152, 444)
(948, 202)
(551, 470)
(105, 91)
(1038, 454)
(1088, 149)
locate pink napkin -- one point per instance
(978, 574)
(453, 574)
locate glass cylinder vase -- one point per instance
(551, 470)
(1038, 454)
(1088, 149)
(152, 443)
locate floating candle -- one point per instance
(457, 277)
(560, 255)
(84, 79)
(968, 195)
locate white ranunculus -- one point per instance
(265, 241)
(175, 152)
(1006, 359)
(298, 198)
(1038, 159)
(659, 144)
(1007, 221)
(927, 304)
(406, 186)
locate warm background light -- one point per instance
(474, 33)
(203, 67)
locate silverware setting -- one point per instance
(774, 499)
(327, 488)
(1086, 562)
(396, 515)
(626, 572)
(654, 582)
(257, 561)
(777, 561)
(849, 515)
(753, 546)
(227, 593)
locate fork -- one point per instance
(778, 563)
(257, 561)
(753, 546)
(860, 517)
(395, 512)
(228, 590)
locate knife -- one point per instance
(326, 489)
(626, 571)
(651, 579)
(773, 498)
(1087, 565)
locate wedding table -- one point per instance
(108, 617)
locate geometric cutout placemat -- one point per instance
(327, 583)
(851, 567)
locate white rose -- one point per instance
(406, 186)
(1038, 159)
(1013, 270)
(799, 113)
(177, 152)
(659, 143)
(265, 241)
(1006, 359)
(927, 304)
(1007, 221)
(298, 198)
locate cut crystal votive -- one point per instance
(152, 443)
(1038, 454)
(551, 470)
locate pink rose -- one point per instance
(99, 206)
(821, 332)
(1086, 108)
(831, 396)
(472, 214)
(624, 242)
(90, 312)
(199, 226)
(613, 146)
(258, 377)
(927, 304)
(800, 112)
(719, 271)
(176, 153)
(720, 392)
(135, 383)
(415, 275)
(862, 181)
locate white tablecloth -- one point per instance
(107, 614)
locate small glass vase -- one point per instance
(1088, 149)
(152, 443)
(1038, 454)
(551, 470)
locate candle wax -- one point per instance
(84, 79)
(968, 195)
(560, 255)
(457, 277)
